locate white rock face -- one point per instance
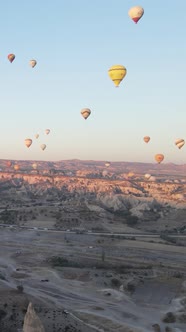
(32, 322)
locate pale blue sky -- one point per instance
(75, 42)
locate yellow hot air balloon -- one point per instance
(47, 131)
(16, 167)
(11, 57)
(135, 13)
(43, 146)
(28, 142)
(159, 158)
(117, 74)
(179, 143)
(36, 136)
(34, 166)
(32, 63)
(85, 112)
(146, 139)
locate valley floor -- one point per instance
(105, 284)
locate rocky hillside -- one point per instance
(132, 199)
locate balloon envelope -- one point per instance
(11, 57)
(36, 136)
(85, 112)
(135, 13)
(47, 131)
(28, 142)
(159, 157)
(43, 146)
(107, 164)
(117, 74)
(152, 179)
(147, 176)
(32, 63)
(8, 163)
(146, 139)
(16, 167)
(34, 166)
(179, 143)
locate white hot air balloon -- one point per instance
(107, 164)
(147, 176)
(28, 142)
(47, 131)
(179, 143)
(135, 13)
(85, 112)
(34, 166)
(152, 179)
(43, 146)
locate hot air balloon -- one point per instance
(16, 167)
(152, 179)
(179, 143)
(34, 166)
(11, 57)
(47, 131)
(85, 112)
(117, 74)
(147, 176)
(136, 13)
(32, 63)
(28, 142)
(146, 139)
(8, 163)
(36, 136)
(43, 146)
(159, 157)
(107, 164)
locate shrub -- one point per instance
(169, 318)
(20, 288)
(115, 282)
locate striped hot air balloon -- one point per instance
(117, 74)
(85, 112)
(179, 143)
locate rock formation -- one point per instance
(32, 322)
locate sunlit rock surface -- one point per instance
(32, 322)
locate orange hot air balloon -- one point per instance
(28, 142)
(11, 57)
(146, 139)
(16, 167)
(159, 158)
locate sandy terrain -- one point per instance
(106, 284)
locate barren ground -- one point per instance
(105, 284)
